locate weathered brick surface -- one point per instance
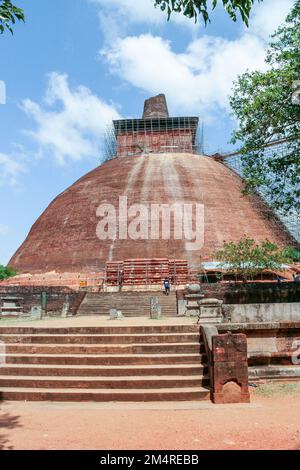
(64, 237)
(55, 298)
(269, 343)
(138, 272)
(74, 281)
(229, 369)
(156, 106)
(127, 143)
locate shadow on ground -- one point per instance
(7, 421)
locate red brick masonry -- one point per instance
(65, 234)
(229, 369)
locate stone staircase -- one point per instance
(132, 304)
(102, 364)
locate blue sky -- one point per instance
(76, 64)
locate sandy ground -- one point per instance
(271, 421)
(97, 320)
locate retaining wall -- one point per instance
(56, 297)
(268, 312)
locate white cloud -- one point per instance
(116, 16)
(2, 92)
(268, 15)
(141, 11)
(71, 122)
(4, 229)
(10, 169)
(199, 79)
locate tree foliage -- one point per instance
(6, 272)
(194, 8)
(265, 106)
(9, 14)
(293, 254)
(247, 259)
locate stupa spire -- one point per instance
(156, 107)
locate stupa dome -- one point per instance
(66, 236)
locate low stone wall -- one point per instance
(56, 297)
(254, 292)
(273, 349)
(268, 312)
(239, 354)
(74, 281)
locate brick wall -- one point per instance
(156, 142)
(268, 343)
(56, 297)
(229, 369)
(228, 365)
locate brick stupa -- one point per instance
(156, 162)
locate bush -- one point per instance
(6, 272)
(246, 258)
(293, 254)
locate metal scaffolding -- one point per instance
(130, 137)
(290, 221)
(133, 137)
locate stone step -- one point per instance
(280, 358)
(99, 395)
(132, 308)
(106, 359)
(135, 305)
(38, 370)
(138, 312)
(114, 363)
(137, 297)
(141, 295)
(111, 383)
(275, 373)
(131, 314)
(126, 313)
(100, 339)
(99, 299)
(104, 309)
(132, 304)
(128, 303)
(87, 349)
(104, 330)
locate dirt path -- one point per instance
(267, 423)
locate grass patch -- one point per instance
(272, 389)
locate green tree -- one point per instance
(247, 259)
(193, 8)
(9, 14)
(267, 108)
(293, 254)
(6, 272)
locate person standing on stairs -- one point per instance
(167, 286)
